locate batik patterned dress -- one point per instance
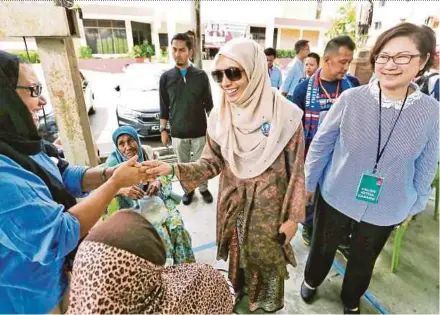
(249, 215)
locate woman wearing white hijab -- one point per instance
(255, 141)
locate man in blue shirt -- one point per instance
(276, 78)
(429, 83)
(316, 94)
(295, 69)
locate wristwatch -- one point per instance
(162, 129)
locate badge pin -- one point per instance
(265, 128)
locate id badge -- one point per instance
(369, 188)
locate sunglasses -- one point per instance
(35, 89)
(233, 74)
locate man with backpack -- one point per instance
(430, 80)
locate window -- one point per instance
(258, 34)
(382, 3)
(377, 25)
(141, 33)
(106, 36)
(163, 40)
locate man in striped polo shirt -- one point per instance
(316, 95)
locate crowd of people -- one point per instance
(349, 162)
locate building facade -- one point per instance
(112, 28)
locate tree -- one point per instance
(344, 23)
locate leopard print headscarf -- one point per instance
(107, 279)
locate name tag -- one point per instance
(369, 188)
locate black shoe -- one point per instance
(349, 311)
(207, 196)
(307, 294)
(344, 250)
(187, 198)
(307, 235)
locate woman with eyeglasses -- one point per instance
(40, 221)
(255, 142)
(373, 160)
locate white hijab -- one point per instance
(237, 127)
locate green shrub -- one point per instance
(164, 52)
(33, 56)
(85, 52)
(285, 53)
(143, 51)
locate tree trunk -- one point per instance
(196, 29)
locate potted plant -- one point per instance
(147, 51)
(137, 53)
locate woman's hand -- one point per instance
(130, 173)
(157, 168)
(153, 188)
(132, 192)
(289, 228)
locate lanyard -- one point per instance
(331, 100)
(379, 151)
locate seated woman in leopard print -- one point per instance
(119, 269)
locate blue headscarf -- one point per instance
(116, 157)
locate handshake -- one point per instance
(132, 172)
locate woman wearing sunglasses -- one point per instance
(40, 221)
(255, 142)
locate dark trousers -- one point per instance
(310, 211)
(366, 243)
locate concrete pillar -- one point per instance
(129, 32)
(155, 27)
(321, 41)
(278, 44)
(270, 29)
(171, 30)
(60, 68)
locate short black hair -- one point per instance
(183, 37)
(302, 43)
(315, 56)
(422, 36)
(270, 52)
(340, 41)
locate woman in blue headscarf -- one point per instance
(172, 231)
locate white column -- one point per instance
(82, 31)
(301, 33)
(171, 30)
(155, 26)
(278, 44)
(129, 31)
(321, 41)
(269, 35)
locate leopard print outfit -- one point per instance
(110, 280)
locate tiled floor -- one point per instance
(414, 288)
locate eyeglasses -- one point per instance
(233, 74)
(398, 60)
(35, 89)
